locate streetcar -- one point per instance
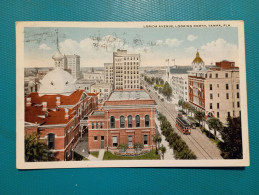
(182, 125)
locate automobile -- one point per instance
(162, 99)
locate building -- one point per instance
(222, 91)
(108, 73)
(30, 84)
(103, 90)
(216, 91)
(96, 77)
(126, 70)
(72, 64)
(127, 117)
(84, 84)
(56, 111)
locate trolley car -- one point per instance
(182, 125)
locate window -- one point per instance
(112, 121)
(137, 121)
(101, 125)
(129, 121)
(114, 141)
(210, 105)
(211, 96)
(145, 140)
(95, 138)
(217, 114)
(210, 75)
(217, 105)
(51, 141)
(146, 121)
(238, 104)
(237, 95)
(237, 86)
(96, 125)
(228, 114)
(92, 125)
(122, 122)
(226, 75)
(218, 85)
(226, 86)
(227, 95)
(130, 140)
(210, 86)
(218, 94)
(217, 75)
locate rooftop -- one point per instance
(129, 95)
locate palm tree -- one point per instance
(157, 138)
(163, 150)
(199, 116)
(215, 124)
(180, 103)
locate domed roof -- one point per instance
(198, 59)
(57, 56)
(57, 81)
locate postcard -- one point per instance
(131, 94)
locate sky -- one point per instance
(95, 46)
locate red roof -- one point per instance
(92, 94)
(51, 99)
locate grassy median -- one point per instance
(149, 156)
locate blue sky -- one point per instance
(95, 45)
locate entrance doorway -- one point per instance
(102, 142)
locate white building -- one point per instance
(72, 63)
(108, 73)
(104, 89)
(84, 84)
(222, 94)
(126, 70)
(97, 77)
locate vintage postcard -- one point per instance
(131, 94)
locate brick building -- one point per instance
(127, 117)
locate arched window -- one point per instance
(146, 121)
(112, 121)
(51, 141)
(137, 121)
(129, 121)
(122, 122)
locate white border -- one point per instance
(20, 162)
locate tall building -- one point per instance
(72, 63)
(108, 73)
(216, 90)
(127, 117)
(126, 70)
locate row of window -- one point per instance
(97, 125)
(131, 58)
(211, 107)
(227, 86)
(130, 140)
(130, 123)
(227, 95)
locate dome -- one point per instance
(57, 56)
(198, 59)
(57, 81)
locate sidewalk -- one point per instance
(169, 154)
(100, 156)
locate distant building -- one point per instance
(127, 117)
(84, 84)
(104, 89)
(96, 77)
(72, 63)
(108, 73)
(126, 70)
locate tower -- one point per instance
(197, 63)
(57, 57)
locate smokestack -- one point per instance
(44, 106)
(28, 102)
(66, 113)
(58, 101)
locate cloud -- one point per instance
(173, 42)
(44, 47)
(191, 38)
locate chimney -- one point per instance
(66, 113)
(58, 101)
(44, 106)
(28, 102)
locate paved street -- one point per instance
(197, 142)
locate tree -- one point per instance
(198, 115)
(157, 139)
(232, 135)
(167, 90)
(180, 103)
(36, 150)
(216, 125)
(163, 150)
